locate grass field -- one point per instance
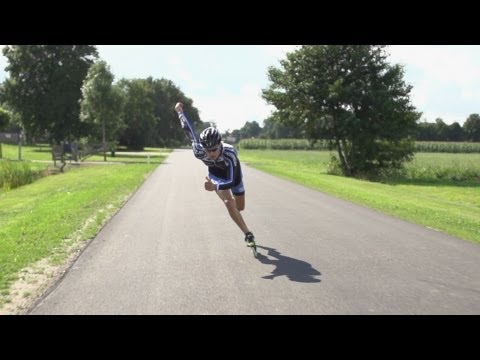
(421, 197)
(43, 153)
(43, 219)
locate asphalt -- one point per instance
(172, 249)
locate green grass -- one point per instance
(37, 152)
(153, 156)
(441, 168)
(38, 220)
(44, 153)
(14, 174)
(440, 203)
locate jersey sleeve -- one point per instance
(223, 184)
(187, 127)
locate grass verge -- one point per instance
(444, 204)
(43, 219)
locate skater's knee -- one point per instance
(240, 207)
(230, 203)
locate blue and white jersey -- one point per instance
(226, 169)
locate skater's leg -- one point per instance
(232, 207)
(240, 202)
(239, 194)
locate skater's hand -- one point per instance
(209, 185)
(179, 107)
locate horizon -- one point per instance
(225, 81)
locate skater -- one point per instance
(224, 170)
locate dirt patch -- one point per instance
(36, 280)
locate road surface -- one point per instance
(173, 249)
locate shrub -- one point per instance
(14, 174)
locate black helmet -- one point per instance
(210, 137)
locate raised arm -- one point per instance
(197, 148)
(186, 126)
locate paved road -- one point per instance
(172, 249)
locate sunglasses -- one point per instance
(212, 150)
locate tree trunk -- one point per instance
(104, 144)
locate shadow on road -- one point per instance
(295, 270)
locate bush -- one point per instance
(334, 167)
(14, 174)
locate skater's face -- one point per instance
(214, 153)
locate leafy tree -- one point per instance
(44, 87)
(471, 128)
(5, 117)
(250, 130)
(236, 134)
(441, 129)
(275, 129)
(4, 121)
(138, 114)
(351, 95)
(167, 131)
(150, 115)
(426, 131)
(101, 104)
(455, 132)
(2, 93)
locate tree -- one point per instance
(441, 129)
(350, 95)
(5, 117)
(149, 114)
(471, 128)
(426, 131)
(4, 121)
(44, 87)
(2, 93)
(167, 131)
(275, 129)
(101, 104)
(455, 132)
(250, 130)
(236, 135)
(138, 114)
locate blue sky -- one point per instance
(225, 81)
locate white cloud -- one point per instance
(445, 79)
(448, 118)
(182, 75)
(442, 64)
(279, 51)
(419, 94)
(471, 95)
(230, 110)
(231, 107)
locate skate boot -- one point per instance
(250, 239)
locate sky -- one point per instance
(225, 81)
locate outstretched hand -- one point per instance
(179, 107)
(209, 185)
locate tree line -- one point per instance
(425, 131)
(347, 95)
(66, 93)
